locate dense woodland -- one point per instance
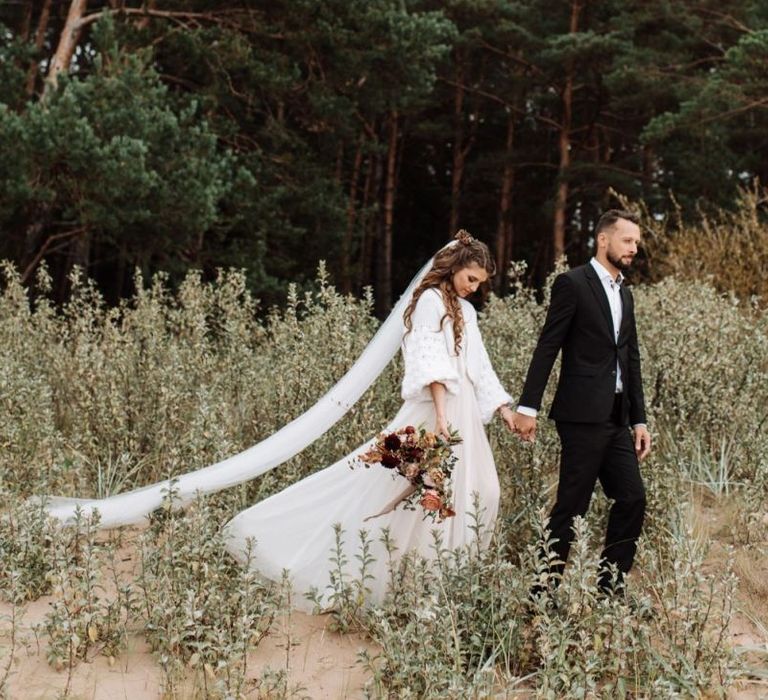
(169, 135)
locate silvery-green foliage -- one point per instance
(85, 617)
(167, 382)
(346, 595)
(200, 609)
(468, 628)
(13, 589)
(11, 622)
(26, 534)
(94, 400)
(450, 628)
(705, 360)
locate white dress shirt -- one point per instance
(612, 289)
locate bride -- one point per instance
(448, 383)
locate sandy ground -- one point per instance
(713, 520)
(323, 664)
(320, 662)
(746, 635)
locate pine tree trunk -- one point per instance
(42, 28)
(561, 200)
(143, 23)
(504, 231)
(648, 172)
(338, 171)
(384, 252)
(81, 251)
(68, 39)
(26, 23)
(370, 193)
(457, 172)
(564, 146)
(349, 235)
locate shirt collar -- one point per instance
(602, 273)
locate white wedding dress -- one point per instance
(293, 529)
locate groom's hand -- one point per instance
(526, 426)
(642, 441)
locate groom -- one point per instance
(591, 319)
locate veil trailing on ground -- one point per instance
(132, 506)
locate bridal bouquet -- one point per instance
(426, 460)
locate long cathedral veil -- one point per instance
(132, 506)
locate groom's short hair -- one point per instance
(609, 218)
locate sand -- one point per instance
(323, 664)
(320, 662)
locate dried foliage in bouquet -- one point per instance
(426, 460)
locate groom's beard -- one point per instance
(619, 263)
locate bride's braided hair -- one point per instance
(449, 260)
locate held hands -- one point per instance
(518, 423)
(642, 442)
(525, 426)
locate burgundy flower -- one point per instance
(392, 442)
(414, 454)
(390, 461)
(409, 429)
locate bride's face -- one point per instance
(468, 279)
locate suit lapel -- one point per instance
(626, 309)
(602, 300)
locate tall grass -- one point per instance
(95, 400)
(727, 248)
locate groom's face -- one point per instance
(622, 241)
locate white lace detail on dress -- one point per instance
(425, 351)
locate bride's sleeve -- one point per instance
(425, 352)
(488, 389)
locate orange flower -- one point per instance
(431, 500)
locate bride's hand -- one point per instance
(441, 428)
(508, 417)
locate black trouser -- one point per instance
(605, 451)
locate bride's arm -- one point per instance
(438, 398)
(426, 354)
(491, 395)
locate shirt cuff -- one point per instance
(527, 411)
(639, 425)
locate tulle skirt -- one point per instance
(293, 529)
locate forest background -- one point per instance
(268, 135)
(223, 149)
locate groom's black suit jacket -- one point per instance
(579, 322)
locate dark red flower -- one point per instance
(409, 430)
(390, 461)
(414, 454)
(392, 442)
